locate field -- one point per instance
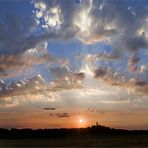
(123, 141)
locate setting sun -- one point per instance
(81, 120)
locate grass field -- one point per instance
(134, 141)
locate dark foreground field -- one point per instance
(95, 136)
(134, 141)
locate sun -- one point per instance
(81, 120)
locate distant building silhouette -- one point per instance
(97, 124)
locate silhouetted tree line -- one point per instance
(63, 132)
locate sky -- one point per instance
(72, 63)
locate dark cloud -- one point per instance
(91, 110)
(49, 108)
(63, 115)
(142, 88)
(25, 34)
(100, 72)
(141, 83)
(79, 75)
(60, 72)
(12, 25)
(133, 62)
(136, 85)
(60, 115)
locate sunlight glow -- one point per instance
(83, 19)
(84, 22)
(87, 70)
(81, 120)
(53, 19)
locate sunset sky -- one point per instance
(72, 63)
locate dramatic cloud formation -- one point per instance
(94, 23)
(76, 54)
(88, 21)
(91, 21)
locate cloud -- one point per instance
(22, 87)
(67, 77)
(142, 88)
(60, 72)
(70, 20)
(15, 65)
(27, 49)
(79, 76)
(63, 115)
(136, 85)
(60, 115)
(100, 72)
(90, 22)
(143, 70)
(49, 108)
(133, 61)
(12, 25)
(57, 16)
(33, 88)
(25, 31)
